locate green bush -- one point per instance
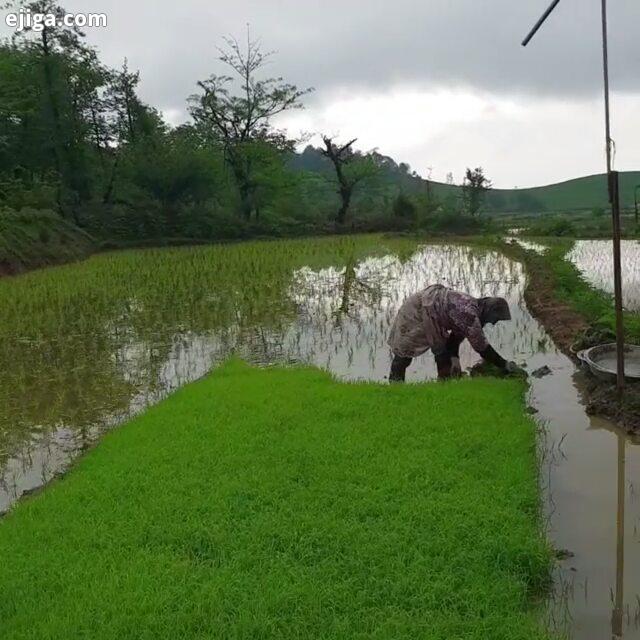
(404, 208)
(558, 227)
(34, 238)
(455, 223)
(44, 235)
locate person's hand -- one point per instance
(512, 369)
(456, 369)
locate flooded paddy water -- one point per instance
(85, 346)
(536, 247)
(594, 259)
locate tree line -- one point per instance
(76, 139)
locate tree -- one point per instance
(70, 79)
(351, 169)
(404, 208)
(130, 123)
(169, 169)
(474, 190)
(239, 120)
(125, 107)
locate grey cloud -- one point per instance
(374, 44)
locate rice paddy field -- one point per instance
(582, 273)
(86, 347)
(594, 260)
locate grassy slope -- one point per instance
(282, 504)
(584, 193)
(580, 193)
(34, 239)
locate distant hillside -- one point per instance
(399, 174)
(580, 193)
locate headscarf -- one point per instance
(493, 310)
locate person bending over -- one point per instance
(439, 319)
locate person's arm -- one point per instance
(492, 356)
(468, 323)
(489, 354)
(466, 320)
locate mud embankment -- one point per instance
(34, 239)
(571, 332)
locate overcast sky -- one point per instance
(440, 84)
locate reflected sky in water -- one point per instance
(84, 347)
(594, 259)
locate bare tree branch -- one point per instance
(351, 169)
(237, 119)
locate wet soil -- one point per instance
(603, 400)
(561, 321)
(571, 333)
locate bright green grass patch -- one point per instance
(282, 504)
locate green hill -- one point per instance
(579, 193)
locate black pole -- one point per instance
(614, 199)
(540, 22)
(635, 198)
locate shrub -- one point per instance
(558, 227)
(455, 223)
(404, 208)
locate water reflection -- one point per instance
(82, 356)
(594, 259)
(617, 617)
(355, 346)
(84, 347)
(593, 512)
(536, 247)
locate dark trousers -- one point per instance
(399, 368)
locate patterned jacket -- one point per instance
(428, 318)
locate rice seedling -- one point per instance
(84, 346)
(594, 260)
(280, 503)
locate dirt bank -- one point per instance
(34, 239)
(571, 331)
(562, 322)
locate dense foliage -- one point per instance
(77, 140)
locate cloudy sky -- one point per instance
(440, 84)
